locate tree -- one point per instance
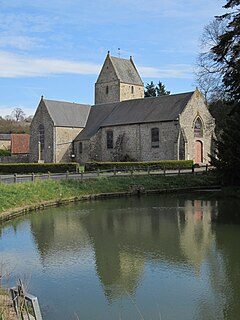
(155, 91)
(18, 114)
(160, 89)
(226, 53)
(227, 50)
(208, 72)
(150, 90)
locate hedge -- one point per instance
(146, 165)
(38, 168)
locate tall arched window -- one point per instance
(109, 139)
(155, 137)
(198, 128)
(41, 136)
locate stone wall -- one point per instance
(132, 142)
(64, 149)
(42, 117)
(196, 108)
(129, 91)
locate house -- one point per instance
(123, 125)
(20, 144)
(5, 141)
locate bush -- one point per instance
(38, 168)
(5, 153)
(147, 165)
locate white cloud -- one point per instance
(13, 66)
(176, 71)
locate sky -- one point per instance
(56, 48)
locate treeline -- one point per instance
(17, 122)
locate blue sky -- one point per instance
(56, 48)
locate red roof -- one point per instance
(20, 143)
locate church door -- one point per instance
(198, 152)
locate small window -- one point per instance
(155, 137)
(132, 89)
(109, 139)
(198, 128)
(80, 147)
(106, 89)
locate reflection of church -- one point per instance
(125, 235)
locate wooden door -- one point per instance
(198, 152)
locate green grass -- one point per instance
(18, 195)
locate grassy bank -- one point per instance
(22, 194)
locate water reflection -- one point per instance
(161, 250)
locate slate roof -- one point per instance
(20, 143)
(156, 109)
(5, 136)
(67, 114)
(126, 71)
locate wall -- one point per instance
(64, 137)
(136, 143)
(197, 108)
(129, 91)
(41, 117)
(23, 158)
(5, 144)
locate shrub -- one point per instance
(146, 165)
(5, 153)
(38, 168)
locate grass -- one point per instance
(22, 194)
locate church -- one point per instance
(122, 125)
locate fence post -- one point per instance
(15, 177)
(148, 171)
(33, 176)
(81, 175)
(179, 170)
(114, 170)
(98, 172)
(49, 175)
(67, 174)
(193, 168)
(164, 170)
(206, 167)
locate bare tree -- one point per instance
(18, 114)
(208, 71)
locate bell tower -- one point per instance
(118, 80)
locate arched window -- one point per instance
(198, 128)
(109, 139)
(155, 137)
(41, 136)
(106, 89)
(80, 147)
(132, 89)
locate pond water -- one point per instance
(171, 257)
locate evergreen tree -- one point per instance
(150, 90)
(227, 53)
(160, 89)
(155, 91)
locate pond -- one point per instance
(167, 257)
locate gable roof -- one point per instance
(66, 114)
(156, 109)
(126, 70)
(20, 143)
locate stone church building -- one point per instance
(123, 125)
